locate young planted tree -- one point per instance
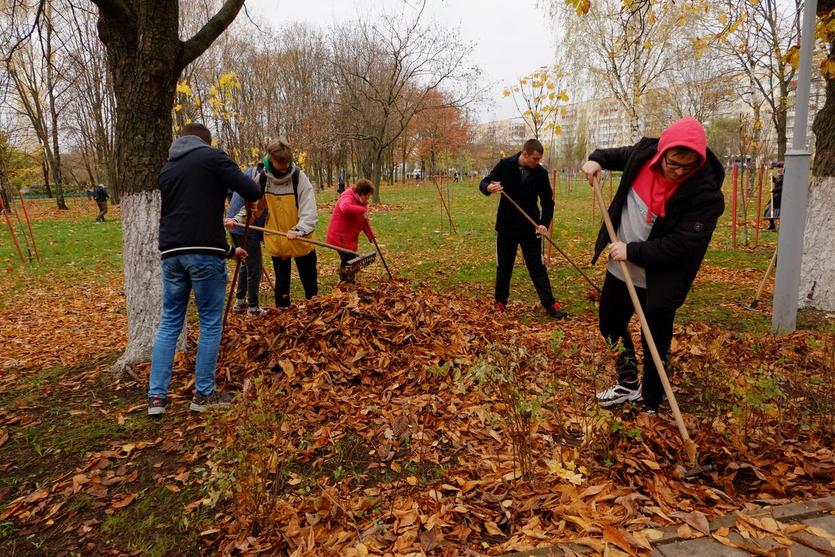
(537, 97)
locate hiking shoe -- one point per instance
(201, 403)
(157, 405)
(499, 307)
(240, 306)
(618, 394)
(256, 310)
(554, 311)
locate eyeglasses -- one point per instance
(671, 165)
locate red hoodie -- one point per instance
(650, 184)
(347, 220)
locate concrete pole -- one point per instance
(795, 190)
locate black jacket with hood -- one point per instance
(193, 184)
(678, 241)
(508, 218)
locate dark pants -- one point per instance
(506, 246)
(306, 266)
(345, 274)
(249, 277)
(102, 210)
(615, 312)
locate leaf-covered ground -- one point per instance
(395, 417)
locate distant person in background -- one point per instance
(340, 184)
(100, 197)
(772, 210)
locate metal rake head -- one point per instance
(360, 262)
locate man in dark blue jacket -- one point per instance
(525, 181)
(192, 242)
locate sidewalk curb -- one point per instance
(784, 513)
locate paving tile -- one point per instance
(701, 547)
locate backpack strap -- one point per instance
(295, 180)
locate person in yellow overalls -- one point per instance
(291, 203)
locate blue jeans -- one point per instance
(206, 274)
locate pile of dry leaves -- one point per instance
(394, 420)
(387, 421)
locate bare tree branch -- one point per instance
(213, 28)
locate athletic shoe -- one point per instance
(555, 312)
(618, 394)
(256, 310)
(201, 403)
(499, 307)
(157, 405)
(240, 306)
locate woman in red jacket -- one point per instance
(349, 218)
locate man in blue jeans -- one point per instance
(192, 242)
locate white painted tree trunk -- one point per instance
(817, 271)
(143, 280)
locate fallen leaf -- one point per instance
(124, 501)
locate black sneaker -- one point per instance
(157, 405)
(201, 403)
(555, 312)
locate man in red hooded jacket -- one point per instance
(349, 218)
(665, 211)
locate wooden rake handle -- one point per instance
(300, 239)
(765, 278)
(689, 445)
(561, 252)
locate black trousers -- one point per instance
(344, 274)
(506, 247)
(308, 274)
(615, 312)
(249, 277)
(102, 210)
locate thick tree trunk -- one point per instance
(144, 83)
(143, 283)
(817, 269)
(146, 57)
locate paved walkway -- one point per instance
(792, 530)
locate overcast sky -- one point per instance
(511, 38)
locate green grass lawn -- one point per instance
(418, 244)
